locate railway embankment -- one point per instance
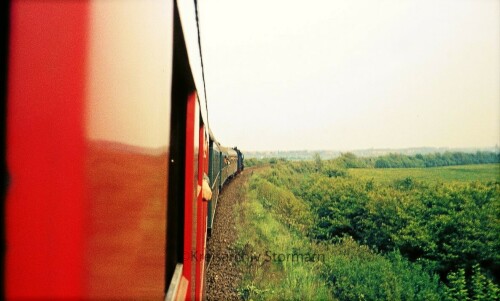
(223, 272)
(309, 231)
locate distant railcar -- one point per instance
(224, 164)
(215, 176)
(241, 158)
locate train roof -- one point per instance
(188, 13)
(227, 150)
(212, 136)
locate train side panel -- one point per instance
(127, 125)
(45, 149)
(223, 166)
(201, 216)
(215, 176)
(89, 131)
(191, 198)
(87, 149)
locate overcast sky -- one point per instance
(343, 75)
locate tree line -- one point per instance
(350, 160)
(394, 160)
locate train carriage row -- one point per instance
(225, 164)
(107, 149)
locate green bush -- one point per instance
(357, 273)
(406, 239)
(477, 287)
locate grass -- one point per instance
(463, 173)
(271, 272)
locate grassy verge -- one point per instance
(278, 264)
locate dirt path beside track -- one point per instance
(223, 274)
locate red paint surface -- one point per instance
(189, 195)
(201, 226)
(45, 149)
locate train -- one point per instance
(108, 151)
(225, 163)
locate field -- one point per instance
(319, 230)
(463, 173)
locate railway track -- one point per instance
(223, 273)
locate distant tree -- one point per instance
(318, 162)
(434, 160)
(382, 163)
(349, 160)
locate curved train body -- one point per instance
(225, 164)
(107, 145)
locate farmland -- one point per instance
(461, 173)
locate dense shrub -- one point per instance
(477, 287)
(402, 235)
(357, 273)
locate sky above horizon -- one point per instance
(344, 75)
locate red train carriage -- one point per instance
(107, 145)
